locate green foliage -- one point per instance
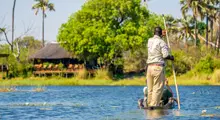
(201, 26)
(60, 66)
(18, 62)
(103, 74)
(136, 60)
(153, 21)
(181, 63)
(105, 28)
(46, 64)
(217, 63)
(205, 65)
(17, 69)
(43, 5)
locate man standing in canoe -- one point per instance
(158, 52)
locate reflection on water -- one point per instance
(104, 103)
(176, 112)
(155, 114)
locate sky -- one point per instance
(25, 17)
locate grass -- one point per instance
(59, 81)
(137, 81)
(186, 79)
(55, 81)
(199, 79)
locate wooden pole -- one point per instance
(174, 73)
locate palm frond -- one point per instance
(36, 12)
(184, 10)
(36, 6)
(51, 7)
(43, 5)
(2, 29)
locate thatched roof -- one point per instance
(51, 51)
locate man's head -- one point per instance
(158, 31)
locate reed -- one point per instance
(82, 74)
(103, 74)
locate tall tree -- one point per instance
(13, 28)
(43, 5)
(106, 28)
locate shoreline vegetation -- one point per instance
(184, 80)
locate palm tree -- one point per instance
(13, 18)
(43, 5)
(197, 7)
(183, 28)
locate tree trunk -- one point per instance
(43, 16)
(6, 37)
(218, 36)
(211, 31)
(218, 41)
(207, 33)
(196, 36)
(218, 32)
(18, 52)
(13, 17)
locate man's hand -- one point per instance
(164, 33)
(170, 57)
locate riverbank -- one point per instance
(135, 81)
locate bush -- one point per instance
(216, 76)
(46, 64)
(103, 74)
(182, 63)
(205, 65)
(216, 63)
(60, 66)
(19, 68)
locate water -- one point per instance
(104, 103)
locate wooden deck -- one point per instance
(64, 73)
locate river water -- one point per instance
(104, 103)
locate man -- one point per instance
(157, 53)
(167, 93)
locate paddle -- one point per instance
(174, 73)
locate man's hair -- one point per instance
(158, 31)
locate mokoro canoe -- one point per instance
(169, 105)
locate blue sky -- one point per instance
(24, 16)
